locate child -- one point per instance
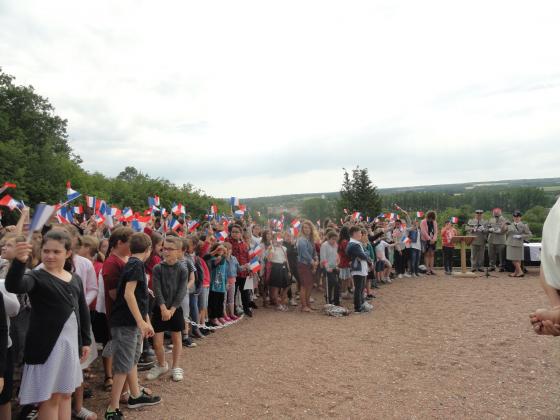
(129, 323)
(382, 265)
(188, 264)
(233, 269)
(170, 288)
(279, 277)
(359, 266)
(218, 275)
(330, 260)
(59, 331)
(447, 234)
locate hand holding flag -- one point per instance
(6, 186)
(43, 213)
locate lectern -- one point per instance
(463, 242)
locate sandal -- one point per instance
(84, 414)
(108, 383)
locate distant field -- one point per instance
(552, 188)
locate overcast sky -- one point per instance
(251, 98)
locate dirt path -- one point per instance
(434, 347)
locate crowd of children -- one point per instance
(74, 288)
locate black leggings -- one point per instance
(245, 294)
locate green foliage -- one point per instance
(359, 194)
(35, 155)
(318, 209)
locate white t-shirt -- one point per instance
(550, 247)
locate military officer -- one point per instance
(497, 229)
(517, 233)
(477, 227)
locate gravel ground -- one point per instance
(434, 347)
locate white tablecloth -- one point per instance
(534, 251)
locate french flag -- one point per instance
(70, 193)
(221, 236)
(43, 213)
(174, 224)
(243, 207)
(296, 224)
(140, 222)
(153, 201)
(178, 209)
(454, 220)
(102, 207)
(164, 212)
(64, 216)
(8, 201)
(214, 209)
(419, 214)
(406, 240)
(115, 211)
(234, 201)
(99, 218)
(78, 209)
(255, 265)
(255, 252)
(192, 225)
(356, 215)
(294, 231)
(127, 212)
(239, 213)
(91, 201)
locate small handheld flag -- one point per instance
(8, 201)
(454, 220)
(70, 193)
(255, 252)
(42, 214)
(234, 201)
(221, 236)
(255, 265)
(419, 214)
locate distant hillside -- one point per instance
(551, 185)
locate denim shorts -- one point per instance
(379, 266)
(203, 298)
(126, 348)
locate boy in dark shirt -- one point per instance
(130, 323)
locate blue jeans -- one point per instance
(414, 260)
(193, 309)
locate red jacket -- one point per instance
(241, 252)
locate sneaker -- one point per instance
(388, 280)
(187, 342)
(293, 302)
(143, 400)
(84, 413)
(407, 275)
(311, 300)
(239, 311)
(177, 374)
(400, 276)
(155, 373)
(113, 415)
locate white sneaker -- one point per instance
(293, 302)
(388, 280)
(400, 276)
(407, 275)
(157, 371)
(311, 300)
(177, 374)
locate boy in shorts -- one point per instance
(130, 323)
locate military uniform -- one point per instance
(479, 229)
(497, 229)
(516, 234)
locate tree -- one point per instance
(358, 193)
(318, 209)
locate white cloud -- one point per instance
(278, 97)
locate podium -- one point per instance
(463, 242)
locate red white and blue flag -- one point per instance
(8, 201)
(296, 224)
(127, 212)
(255, 265)
(454, 220)
(221, 236)
(64, 215)
(99, 218)
(234, 201)
(70, 193)
(178, 209)
(91, 201)
(239, 213)
(43, 213)
(214, 209)
(356, 215)
(255, 252)
(115, 212)
(419, 214)
(192, 225)
(174, 224)
(153, 201)
(78, 209)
